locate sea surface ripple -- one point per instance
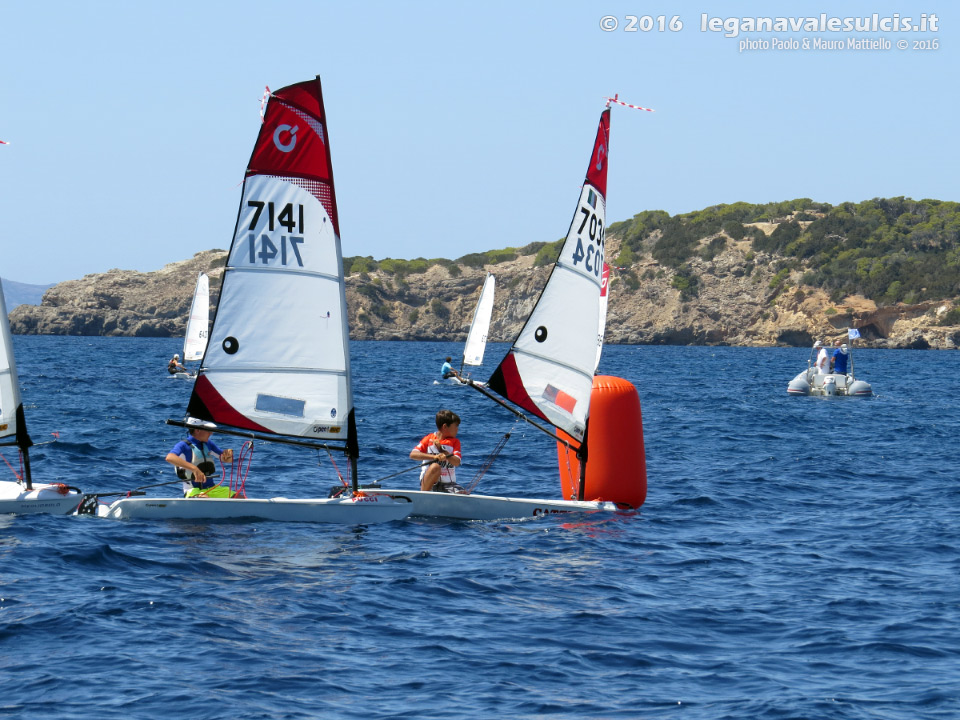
(796, 557)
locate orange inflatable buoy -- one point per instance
(616, 468)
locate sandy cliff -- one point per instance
(739, 301)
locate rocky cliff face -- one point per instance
(739, 301)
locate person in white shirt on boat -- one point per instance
(440, 452)
(174, 366)
(192, 456)
(823, 359)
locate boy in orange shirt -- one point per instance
(441, 452)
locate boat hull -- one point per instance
(42, 499)
(349, 511)
(488, 507)
(811, 383)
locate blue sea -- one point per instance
(796, 557)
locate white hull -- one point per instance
(42, 499)
(348, 511)
(809, 382)
(488, 507)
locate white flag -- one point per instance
(852, 333)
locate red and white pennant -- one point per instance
(616, 99)
(263, 101)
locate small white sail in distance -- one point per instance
(477, 337)
(604, 293)
(198, 324)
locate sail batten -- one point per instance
(267, 370)
(278, 357)
(553, 361)
(549, 369)
(325, 276)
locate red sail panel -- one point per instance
(597, 171)
(293, 143)
(206, 403)
(506, 382)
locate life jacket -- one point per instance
(201, 459)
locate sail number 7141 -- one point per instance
(592, 255)
(290, 218)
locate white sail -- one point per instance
(9, 383)
(477, 337)
(198, 324)
(604, 294)
(278, 353)
(549, 370)
(278, 357)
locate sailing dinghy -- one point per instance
(198, 325)
(476, 344)
(549, 370)
(24, 495)
(277, 367)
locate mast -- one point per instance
(277, 361)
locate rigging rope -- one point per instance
(17, 475)
(489, 461)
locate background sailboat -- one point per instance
(277, 367)
(476, 344)
(23, 495)
(198, 325)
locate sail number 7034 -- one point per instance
(592, 255)
(268, 249)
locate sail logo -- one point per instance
(291, 131)
(601, 154)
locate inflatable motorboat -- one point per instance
(820, 379)
(810, 382)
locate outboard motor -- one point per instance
(830, 385)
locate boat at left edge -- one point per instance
(23, 496)
(277, 365)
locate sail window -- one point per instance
(559, 398)
(280, 405)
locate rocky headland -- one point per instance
(742, 299)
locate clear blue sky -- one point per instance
(455, 127)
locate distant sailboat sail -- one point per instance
(13, 424)
(198, 324)
(278, 357)
(549, 370)
(604, 295)
(477, 337)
